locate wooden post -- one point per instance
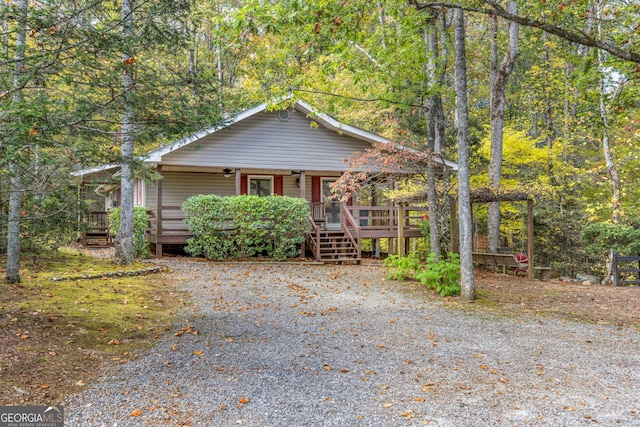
(238, 182)
(401, 231)
(530, 255)
(453, 213)
(159, 214)
(303, 184)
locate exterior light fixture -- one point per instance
(227, 172)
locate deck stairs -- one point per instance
(336, 246)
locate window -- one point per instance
(260, 185)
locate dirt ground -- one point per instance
(599, 304)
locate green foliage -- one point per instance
(442, 275)
(601, 237)
(402, 268)
(48, 220)
(245, 226)
(140, 226)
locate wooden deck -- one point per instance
(328, 242)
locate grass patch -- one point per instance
(58, 336)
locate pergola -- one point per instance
(487, 195)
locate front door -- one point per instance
(331, 207)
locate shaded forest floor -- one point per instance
(509, 296)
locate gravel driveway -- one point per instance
(311, 345)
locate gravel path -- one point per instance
(308, 345)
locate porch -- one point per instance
(327, 239)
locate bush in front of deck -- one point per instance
(140, 226)
(245, 226)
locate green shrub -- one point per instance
(601, 237)
(441, 275)
(245, 226)
(402, 268)
(140, 226)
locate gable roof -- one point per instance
(319, 117)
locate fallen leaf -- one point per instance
(418, 399)
(569, 408)
(136, 413)
(197, 352)
(244, 400)
(408, 414)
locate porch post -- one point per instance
(530, 271)
(238, 182)
(303, 186)
(159, 214)
(303, 193)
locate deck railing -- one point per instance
(383, 221)
(361, 222)
(350, 227)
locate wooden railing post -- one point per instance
(401, 251)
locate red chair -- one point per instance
(523, 264)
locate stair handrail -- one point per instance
(345, 219)
(313, 235)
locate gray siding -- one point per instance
(264, 141)
(179, 186)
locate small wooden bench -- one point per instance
(497, 261)
(545, 273)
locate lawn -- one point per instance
(58, 335)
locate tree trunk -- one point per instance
(434, 138)
(467, 284)
(606, 148)
(15, 196)
(497, 104)
(124, 238)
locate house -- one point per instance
(296, 152)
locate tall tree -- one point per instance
(497, 107)
(15, 198)
(467, 285)
(124, 238)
